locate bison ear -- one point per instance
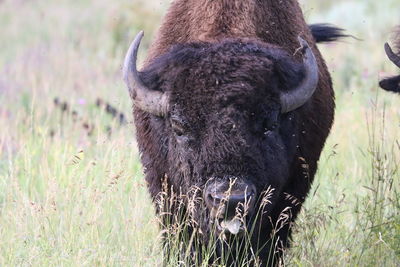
(391, 84)
(151, 76)
(290, 73)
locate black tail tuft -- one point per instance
(326, 33)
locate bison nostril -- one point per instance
(250, 194)
(213, 200)
(210, 199)
(227, 200)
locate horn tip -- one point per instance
(302, 42)
(141, 33)
(130, 57)
(138, 39)
(387, 46)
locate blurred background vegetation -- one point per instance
(71, 186)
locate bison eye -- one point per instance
(270, 126)
(178, 130)
(271, 122)
(178, 126)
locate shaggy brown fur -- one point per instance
(273, 22)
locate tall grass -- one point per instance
(361, 229)
(71, 187)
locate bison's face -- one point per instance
(225, 121)
(228, 136)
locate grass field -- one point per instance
(71, 187)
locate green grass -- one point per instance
(72, 199)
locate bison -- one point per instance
(392, 84)
(232, 109)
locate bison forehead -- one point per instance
(206, 77)
(230, 67)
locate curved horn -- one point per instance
(391, 55)
(298, 96)
(148, 100)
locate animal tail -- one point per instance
(326, 33)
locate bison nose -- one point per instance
(226, 200)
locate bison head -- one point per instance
(224, 116)
(392, 84)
